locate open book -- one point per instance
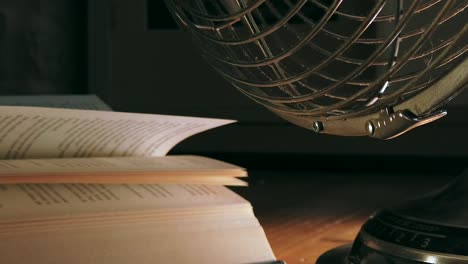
(80, 186)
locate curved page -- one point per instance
(35, 132)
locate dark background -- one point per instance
(133, 56)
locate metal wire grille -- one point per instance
(326, 59)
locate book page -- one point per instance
(25, 203)
(128, 223)
(142, 244)
(168, 169)
(85, 102)
(33, 132)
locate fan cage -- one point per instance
(328, 60)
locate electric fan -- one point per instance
(358, 67)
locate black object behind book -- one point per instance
(43, 46)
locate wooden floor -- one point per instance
(305, 215)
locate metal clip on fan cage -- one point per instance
(356, 67)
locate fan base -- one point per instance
(432, 229)
(337, 255)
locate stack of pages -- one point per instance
(81, 186)
(121, 223)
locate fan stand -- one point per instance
(432, 229)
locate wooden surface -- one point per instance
(304, 215)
